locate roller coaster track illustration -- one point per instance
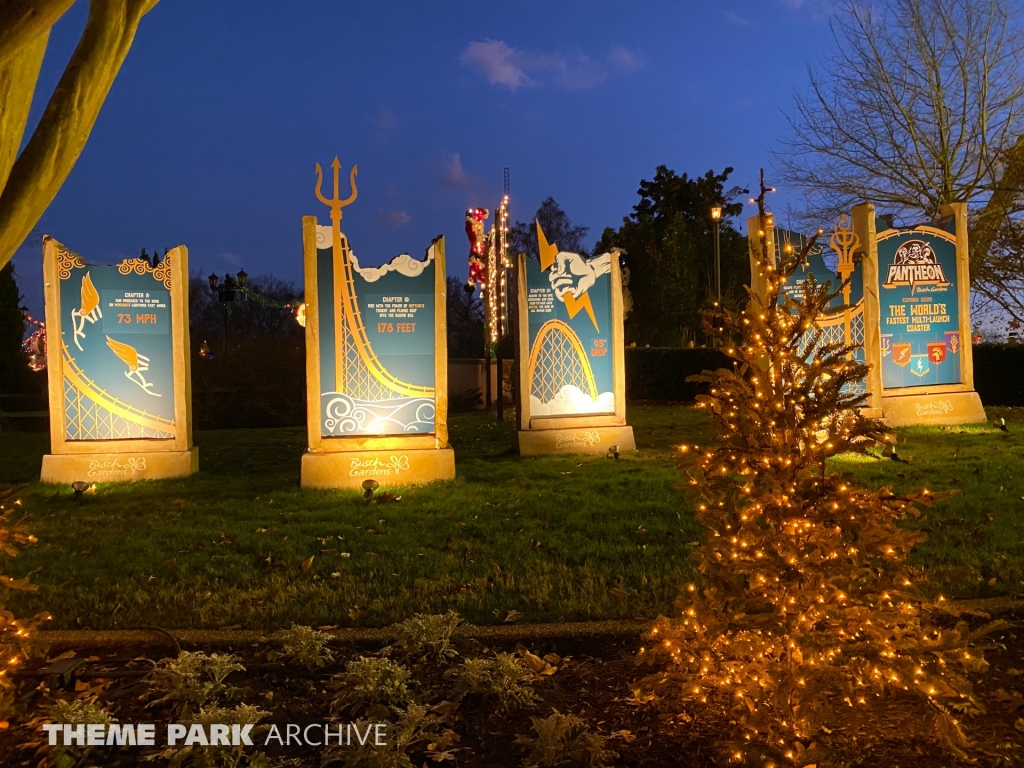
(833, 329)
(558, 359)
(77, 385)
(358, 372)
(362, 374)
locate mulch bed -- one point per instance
(595, 680)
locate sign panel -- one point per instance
(116, 349)
(919, 308)
(119, 381)
(842, 322)
(376, 342)
(570, 334)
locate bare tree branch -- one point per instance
(22, 21)
(914, 108)
(50, 154)
(18, 78)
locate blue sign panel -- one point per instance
(116, 350)
(376, 342)
(842, 322)
(569, 306)
(919, 308)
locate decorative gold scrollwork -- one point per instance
(141, 266)
(66, 261)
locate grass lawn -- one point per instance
(560, 538)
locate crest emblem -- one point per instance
(953, 341)
(901, 354)
(919, 365)
(937, 352)
(886, 344)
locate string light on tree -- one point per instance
(34, 345)
(810, 619)
(498, 264)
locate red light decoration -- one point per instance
(475, 232)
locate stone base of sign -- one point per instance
(925, 409)
(348, 469)
(66, 468)
(537, 442)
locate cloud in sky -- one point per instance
(516, 68)
(737, 20)
(385, 120)
(454, 176)
(393, 219)
(624, 59)
(231, 258)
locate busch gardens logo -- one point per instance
(915, 262)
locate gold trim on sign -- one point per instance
(140, 267)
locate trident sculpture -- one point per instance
(340, 262)
(844, 242)
(336, 204)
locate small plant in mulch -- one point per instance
(304, 646)
(192, 680)
(426, 637)
(220, 756)
(409, 731)
(564, 741)
(82, 711)
(503, 677)
(371, 686)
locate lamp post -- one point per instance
(226, 294)
(716, 217)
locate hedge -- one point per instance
(999, 374)
(659, 373)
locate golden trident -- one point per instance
(336, 204)
(339, 260)
(844, 242)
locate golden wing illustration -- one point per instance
(90, 296)
(125, 352)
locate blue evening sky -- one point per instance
(210, 134)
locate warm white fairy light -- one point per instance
(495, 290)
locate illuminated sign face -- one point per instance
(569, 306)
(376, 342)
(919, 308)
(116, 350)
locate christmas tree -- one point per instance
(809, 617)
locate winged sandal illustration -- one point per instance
(136, 364)
(90, 310)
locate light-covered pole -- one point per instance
(716, 217)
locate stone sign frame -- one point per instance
(119, 459)
(328, 462)
(929, 404)
(585, 433)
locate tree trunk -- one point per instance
(39, 172)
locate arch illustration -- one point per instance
(558, 359)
